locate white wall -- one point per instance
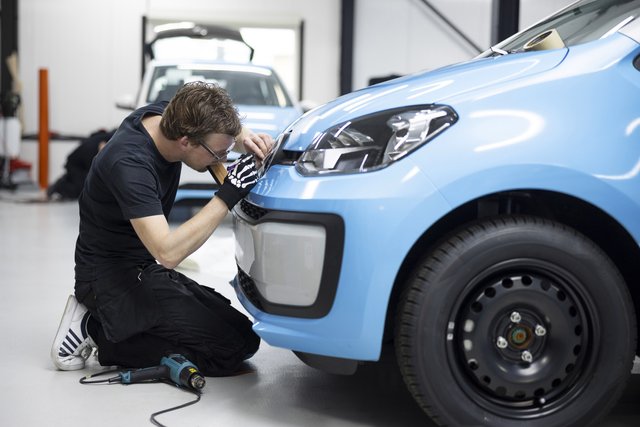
(91, 51)
(404, 36)
(92, 48)
(531, 11)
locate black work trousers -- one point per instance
(141, 315)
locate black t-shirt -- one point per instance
(128, 179)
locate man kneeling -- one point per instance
(129, 302)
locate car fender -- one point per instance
(589, 188)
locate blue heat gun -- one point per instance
(175, 367)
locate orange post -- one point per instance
(43, 130)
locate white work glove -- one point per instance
(242, 176)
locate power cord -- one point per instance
(198, 394)
(118, 379)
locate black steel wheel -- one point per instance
(516, 319)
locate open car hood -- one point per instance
(198, 41)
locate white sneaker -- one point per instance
(72, 344)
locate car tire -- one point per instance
(516, 319)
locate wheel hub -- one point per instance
(520, 338)
(517, 331)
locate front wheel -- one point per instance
(516, 319)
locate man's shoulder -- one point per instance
(126, 151)
(155, 107)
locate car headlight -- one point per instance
(374, 141)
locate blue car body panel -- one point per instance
(564, 121)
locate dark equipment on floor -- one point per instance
(174, 369)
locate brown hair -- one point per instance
(198, 109)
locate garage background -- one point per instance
(93, 53)
(93, 49)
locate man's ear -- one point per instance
(183, 142)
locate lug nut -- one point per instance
(540, 331)
(501, 342)
(515, 317)
(526, 356)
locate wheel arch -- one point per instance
(586, 218)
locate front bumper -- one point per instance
(328, 298)
(288, 262)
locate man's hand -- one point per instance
(259, 144)
(241, 178)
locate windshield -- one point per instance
(581, 22)
(246, 86)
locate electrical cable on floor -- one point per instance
(117, 380)
(85, 379)
(198, 394)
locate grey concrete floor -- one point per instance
(36, 276)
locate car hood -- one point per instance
(269, 120)
(423, 88)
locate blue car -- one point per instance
(482, 218)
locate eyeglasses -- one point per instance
(216, 155)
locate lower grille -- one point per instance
(249, 289)
(253, 211)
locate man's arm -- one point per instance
(171, 247)
(168, 247)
